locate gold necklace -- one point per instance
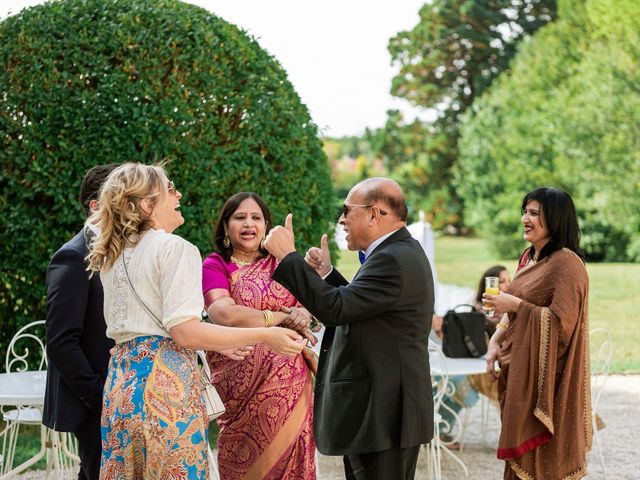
(240, 263)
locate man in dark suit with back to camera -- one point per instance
(77, 347)
(373, 400)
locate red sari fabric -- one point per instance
(544, 384)
(267, 429)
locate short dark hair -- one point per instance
(560, 218)
(92, 182)
(230, 206)
(490, 272)
(395, 202)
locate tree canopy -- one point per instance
(567, 116)
(445, 62)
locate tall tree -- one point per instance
(448, 59)
(578, 129)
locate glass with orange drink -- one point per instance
(490, 287)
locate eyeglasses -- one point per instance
(346, 208)
(171, 188)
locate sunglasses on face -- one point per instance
(171, 188)
(346, 208)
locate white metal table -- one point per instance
(22, 388)
(449, 367)
(25, 392)
(458, 366)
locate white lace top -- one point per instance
(166, 272)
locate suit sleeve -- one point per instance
(67, 296)
(336, 279)
(375, 290)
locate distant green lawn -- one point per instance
(614, 298)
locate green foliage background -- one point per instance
(566, 115)
(448, 60)
(99, 81)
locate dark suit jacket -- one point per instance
(77, 347)
(373, 388)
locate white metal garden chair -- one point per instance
(27, 350)
(601, 347)
(26, 345)
(441, 387)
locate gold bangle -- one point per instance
(502, 325)
(268, 318)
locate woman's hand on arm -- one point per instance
(298, 318)
(237, 353)
(194, 334)
(283, 341)
(223, 310)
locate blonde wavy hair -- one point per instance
(120, 216)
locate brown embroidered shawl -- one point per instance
(544, 384)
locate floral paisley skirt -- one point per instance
(153, 423)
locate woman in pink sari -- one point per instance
(267, 430)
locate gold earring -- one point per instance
(226, 242)
(262, 242)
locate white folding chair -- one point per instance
(441, 387)
(601, 348)
(27, 347)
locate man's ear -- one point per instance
(93, 205)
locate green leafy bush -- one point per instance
(86, 82)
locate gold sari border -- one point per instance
(580, 472)
(283, 440)
(588, 420)
(545, 333)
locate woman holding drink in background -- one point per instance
(542, 347)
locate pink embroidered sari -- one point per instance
(267, 430)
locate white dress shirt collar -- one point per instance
(377, 242)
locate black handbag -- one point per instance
(463, 333)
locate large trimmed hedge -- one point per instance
(86, 82)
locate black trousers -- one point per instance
(391, 464)
(90, 449)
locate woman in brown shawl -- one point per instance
(542, 347)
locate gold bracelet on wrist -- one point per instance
(502, 325)
(268, 318)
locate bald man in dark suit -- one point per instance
(373, 400)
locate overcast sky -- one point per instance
(335, 51)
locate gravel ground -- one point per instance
(618, 408)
